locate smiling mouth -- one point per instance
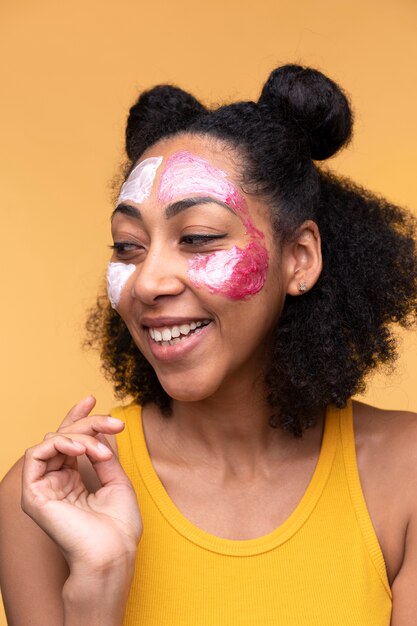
(172, 335)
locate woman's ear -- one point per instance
(303, 259)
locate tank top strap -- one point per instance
(356, 493)
(131, 416)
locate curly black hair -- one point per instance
(327, 340)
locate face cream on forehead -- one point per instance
(117, 276)
(138, 186)
(187, 174)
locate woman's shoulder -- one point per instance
(387, 434)
(386, 450)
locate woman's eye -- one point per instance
(125, 248)
(200, 240)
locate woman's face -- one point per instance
(195, 274)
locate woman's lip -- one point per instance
(170, 321)
(180, 349)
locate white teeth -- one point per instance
(171, 336)
(166, 334)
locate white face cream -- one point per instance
(117, 276)
(137, 188)
(139, 184)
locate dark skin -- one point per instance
(222, 416)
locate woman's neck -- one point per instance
(226, 429)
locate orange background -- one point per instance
(69, 72)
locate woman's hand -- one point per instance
(97, 532)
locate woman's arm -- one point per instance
(96, 532)
(386, 446)
(32, 568)
(401, 461)
(404, 588)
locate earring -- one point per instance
(302, 286)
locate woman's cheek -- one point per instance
(235, 273)
(117, 276)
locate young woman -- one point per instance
(251, 292)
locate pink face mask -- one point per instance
(235, 273)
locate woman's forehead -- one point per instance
(183, 166)
(187, 173)
(216, 154)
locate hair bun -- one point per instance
(158, 112)
(317, 104)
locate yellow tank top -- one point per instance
(322, 567)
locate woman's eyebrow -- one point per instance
(127, 209)
(182, 205)
(172, 209)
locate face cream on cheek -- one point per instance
(117, 276)
(138, 186)
(235, 273)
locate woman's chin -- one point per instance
(188, 391)
(187, 395)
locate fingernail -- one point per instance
(114, 421)
(77, 444)
(103, 449)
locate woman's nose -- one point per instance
(158, 275)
